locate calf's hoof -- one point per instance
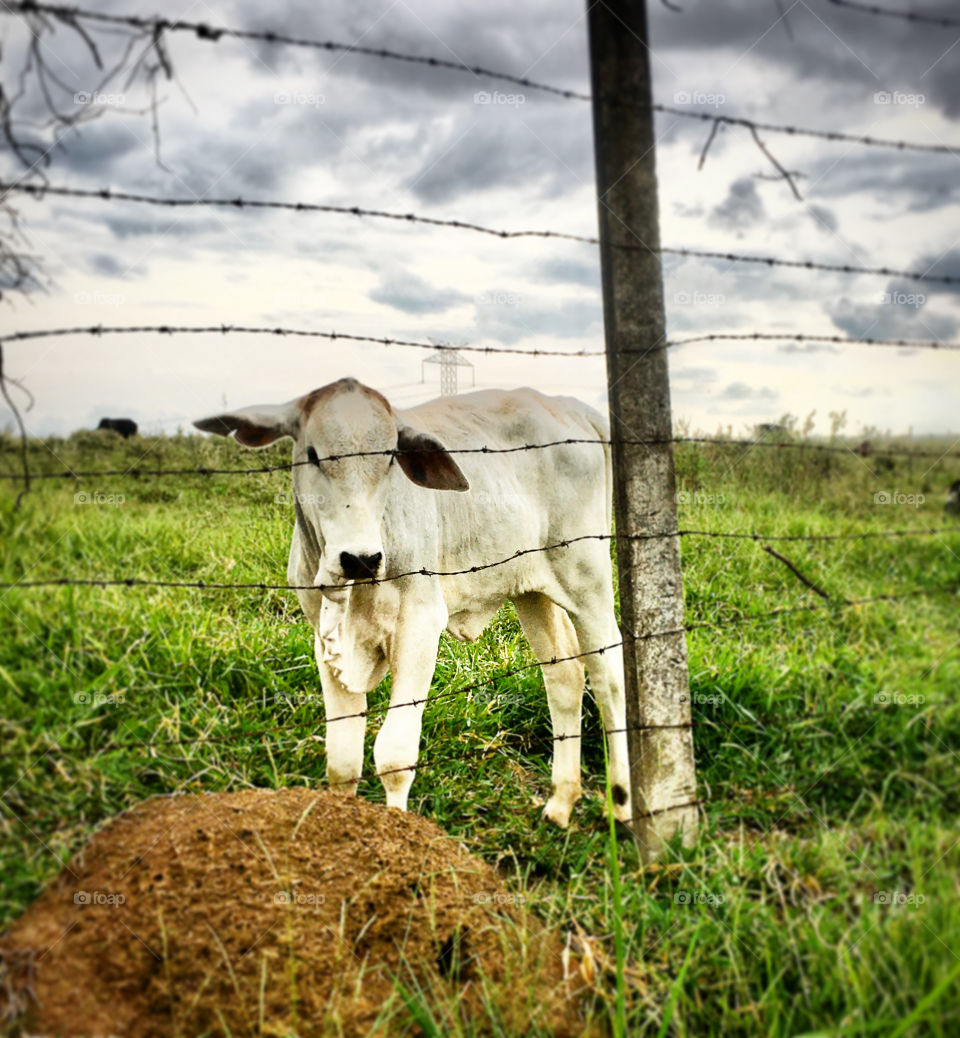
(560, 805)
(621, 804)
(344, 786)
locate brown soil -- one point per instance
(263, 912)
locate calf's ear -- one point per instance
(426, 462)
(257, 426)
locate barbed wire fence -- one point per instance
(151, 32)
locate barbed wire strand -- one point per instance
(799, 337)
(235, 329)
(108, 194)
(863, 450)
(155, 27)
(203, 585)
(232, 329)
(919, 17)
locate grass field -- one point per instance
(822, 896)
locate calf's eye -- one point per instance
(312, 456)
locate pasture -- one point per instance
(822, 896)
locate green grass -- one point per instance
(822, 799)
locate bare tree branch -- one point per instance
(128, 55)
(23, 433)
(785, 174)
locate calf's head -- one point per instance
(347, 441)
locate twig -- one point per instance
(706, 147)
(793, 569)
(780, 169)
(23, 433)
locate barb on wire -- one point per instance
(796, 572)
(23, 432)
(108, 194)
(920, 17)
(154, 28)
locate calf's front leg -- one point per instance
(344, 740)
(397, 745)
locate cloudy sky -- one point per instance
(283, 123)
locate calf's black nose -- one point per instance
(359, 567)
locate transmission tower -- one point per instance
(449, 359)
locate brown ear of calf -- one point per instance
(426, 462)
(247, 433)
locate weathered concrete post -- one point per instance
(651, 592)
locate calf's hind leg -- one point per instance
(606, 680)
(587, 597)
(550, 634)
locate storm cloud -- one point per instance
(259, 121)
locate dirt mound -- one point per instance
(267, 912)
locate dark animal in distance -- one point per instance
(126, 427)
(953, 498)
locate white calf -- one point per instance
(382, 515)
